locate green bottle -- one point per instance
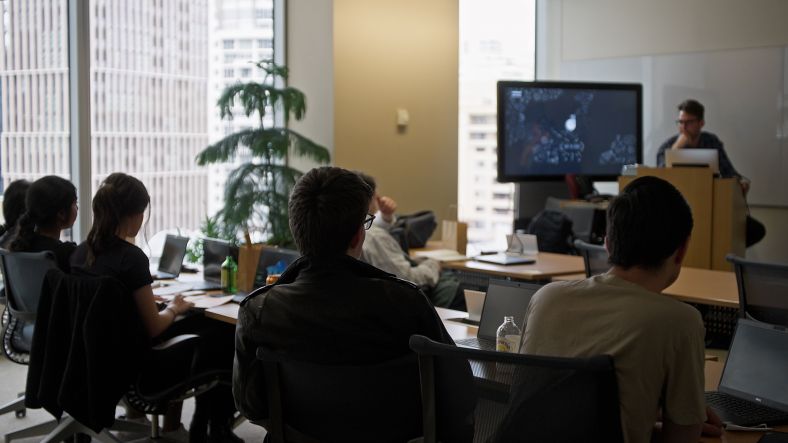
(229, 276)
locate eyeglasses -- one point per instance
(686, 122)
(368, 221)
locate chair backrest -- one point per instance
(594, 257)
(526, 396)
(23, 273)
(312, 402)
(763, 290)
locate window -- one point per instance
(152, 89)
(246, 44)
(497, 40)
(246, 72)
(265, 43)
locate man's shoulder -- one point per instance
(668, 143)
(709, 140)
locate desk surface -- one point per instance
(547, 266)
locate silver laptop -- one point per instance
(753, 388)
(521, 250)
(171, 257)
(504, 298)
(693, 157)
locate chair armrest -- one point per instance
(176, 342)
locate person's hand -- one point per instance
(745, 185)
(713, 425)
(681, 142)
(387, 207)
(179, 305)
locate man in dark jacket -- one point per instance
(331, 308)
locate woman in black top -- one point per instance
(13, 208)
(118, 211)
(51, 207)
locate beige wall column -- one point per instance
(390, 56)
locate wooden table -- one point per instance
(547, 266)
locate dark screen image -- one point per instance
(273, 259)
(504, 299)
(214, 254)
(552, 131)
(172, 254)
(757, 364)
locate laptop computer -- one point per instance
(522, 250)
(171, 257)
(753, 388)
(504, 298)
(214, 252)
(272, 259)
(693, 157)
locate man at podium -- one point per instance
(692, 136)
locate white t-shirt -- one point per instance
(657, 344)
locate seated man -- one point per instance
(657, 342)
(382, 250)
(327, 301)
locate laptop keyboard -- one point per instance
(743, 412)
(475, 343)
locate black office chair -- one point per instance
(23, 275)
(310, 402)
(763, 290)
(103, 336)
(594, 257)
(526, 397)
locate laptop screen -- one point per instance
(172, 254)
(757, 364)
(273, 258)
(214, 253)
(504, 298)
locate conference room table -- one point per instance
(547, 266)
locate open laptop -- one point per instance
(171, 257)
(504, 298)
(214, 252)
(753, 388)
(521, 250)
(693, 157)
(272, 259)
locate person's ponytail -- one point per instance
(26, 228)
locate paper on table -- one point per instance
(441, 255)
(171, 289)
(207, 301)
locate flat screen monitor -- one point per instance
(549, 129)
(215, 252)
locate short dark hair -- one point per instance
(692, 107)
(327, 206)
(369, 180)
(647, 223)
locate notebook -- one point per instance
(693, 157)
(504, 298)
(214, 253)
(171, 257)
(753, 388)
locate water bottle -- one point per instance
(229, 276)
(508, 336)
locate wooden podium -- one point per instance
(718, 211)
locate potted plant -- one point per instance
(257, 191)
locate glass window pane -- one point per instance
(497, 41)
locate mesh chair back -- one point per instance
(523, 396)
(763, 290)
(594, 257)
(317, 402)
(23, 273)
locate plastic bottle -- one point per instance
(229, 276)
(508, 336)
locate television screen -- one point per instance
(549, 129)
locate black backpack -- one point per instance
(415, 229)
(553, 231)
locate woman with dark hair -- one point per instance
(13, 208)
(118, 213)
(51, 207)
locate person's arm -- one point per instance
(385, 217)
(156, 321)
(382, 251)
(673, 433)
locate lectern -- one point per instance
(718, 210)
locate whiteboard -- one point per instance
(745, 92)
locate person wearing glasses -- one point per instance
(690, 136)
(382, 250)
(331, 308)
